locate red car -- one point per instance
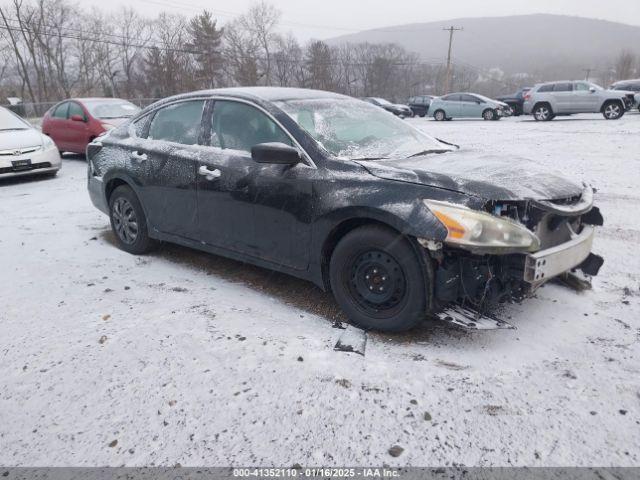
(74, 123)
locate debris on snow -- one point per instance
(352, 340)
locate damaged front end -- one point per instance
(508, 250)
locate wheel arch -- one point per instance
(612, 100)
(540, 103)
(409, 228)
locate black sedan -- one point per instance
(333, 190)
(397, 109)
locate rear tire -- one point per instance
(543, 113)
(377, 280)
(439, 116)
(613, 110)
(128, 221)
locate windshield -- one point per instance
(352, 129)
(111, 109)
(381, 101)
(9, 121)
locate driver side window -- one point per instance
(238, 126)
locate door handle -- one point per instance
(138, 157)
(210, 174)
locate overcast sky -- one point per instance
(329, 18)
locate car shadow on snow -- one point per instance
(289, 290)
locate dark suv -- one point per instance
(419, 105)
(515, 101)
(336, 191)
(629, 86)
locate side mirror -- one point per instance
(275, 153)
(592, 90)
(77, 118)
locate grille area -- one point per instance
(33, 166)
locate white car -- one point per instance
(24, 150)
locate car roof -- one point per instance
(270, 94)
(255, 94)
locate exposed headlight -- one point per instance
(474, 230)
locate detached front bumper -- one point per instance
(547, 264)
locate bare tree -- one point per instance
(624, 65)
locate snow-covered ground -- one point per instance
(182, 357)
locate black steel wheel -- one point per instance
(128, 221)
(378, 280)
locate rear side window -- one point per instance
(61, 110)
(469, 98)
(178, 123)
(563, 87)
(546, 88)
(75, 109)
(239, 126)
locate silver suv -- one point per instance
(547, 100)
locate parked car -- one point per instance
(548, 100)
(467, 105)
(515, 101)
(24, 150)
(629, 86)
(333, 190)
(395, 108)
(73, 123)
(419, 105)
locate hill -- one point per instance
(535, 44)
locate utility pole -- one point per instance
(587, 71)
(451, 31)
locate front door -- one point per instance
(255, 209)
(77, 130)
(471, 106)
(585, 101)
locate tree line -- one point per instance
(54, 49)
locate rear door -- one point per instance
(170, 156)
(452, 104)
(255, 209)
(56, 128)
(563, 98)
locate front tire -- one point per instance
(613, 110)
(377, 280)
(489, 114)
(128, 221)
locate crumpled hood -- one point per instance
(491, 177)
(13, 139)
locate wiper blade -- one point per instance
(11, 129)
(428, 152)
(369, 159)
